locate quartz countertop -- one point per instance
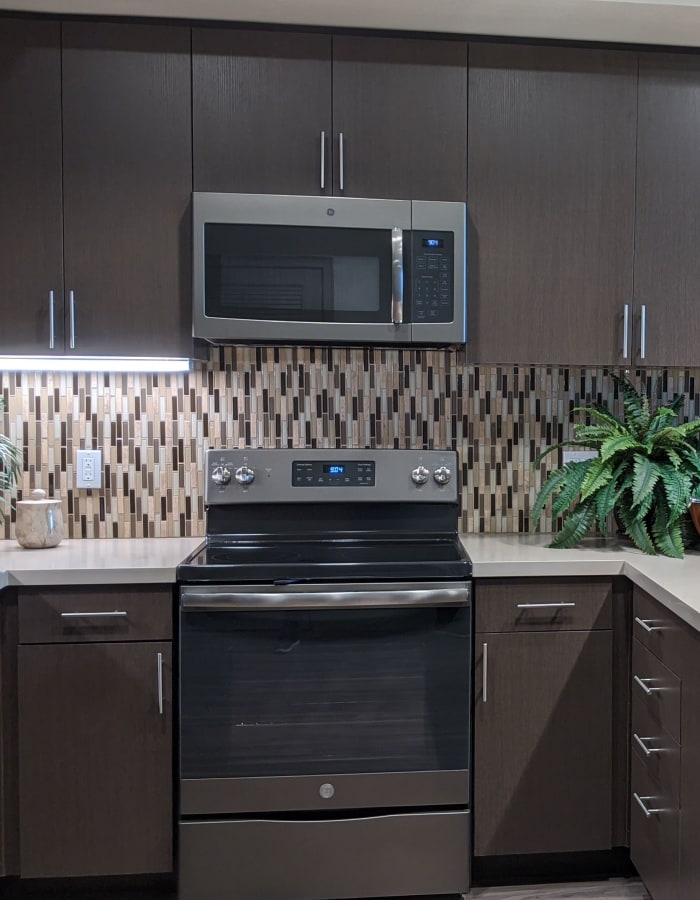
(95, 561)
(673, 582)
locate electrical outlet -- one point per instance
(89, 469)
(578, 455)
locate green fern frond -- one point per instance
(618, 444)
(597, 477)
(636, 531)
(577, 472)
(556, 480)
(667, 534)
(646, 474)
(676, 488)
(576, 526)
(607, 498)
(601, 415)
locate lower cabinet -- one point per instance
(543, 729)
(95, 733)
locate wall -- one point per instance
(154, 429)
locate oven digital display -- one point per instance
(317, 473)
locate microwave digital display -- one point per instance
(433, 243)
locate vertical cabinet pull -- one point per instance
(160, 683)
(397, 276)
(323, 160)
(341, 154)
(643, 339)
(626, 332)
(71, 297)
(52, 330)
(485, 673)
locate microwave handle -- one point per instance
(397, 276)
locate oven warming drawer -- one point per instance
(377, 856)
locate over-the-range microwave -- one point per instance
(285, 269)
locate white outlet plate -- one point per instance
(88, 469)
(578, 455)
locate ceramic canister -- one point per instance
(39, 521)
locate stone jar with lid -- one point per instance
(39, 521)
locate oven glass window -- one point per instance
(297, 273)
(307, 692)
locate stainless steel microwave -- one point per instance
(284, 269)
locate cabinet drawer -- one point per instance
(63, 615)
(657, 628)
(551, 604)
(656, 688)
(657, 751)
(654, 837)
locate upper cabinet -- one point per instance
(95, 193)
(306, 114)
(31, 213)
(667, 238)
(551, 204)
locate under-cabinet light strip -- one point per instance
(93, 364)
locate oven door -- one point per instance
(307, 697)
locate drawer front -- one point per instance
(654, 838)
(74, 615)
(551, 604)
(656, 688)
(657, 751)
(657, 628)
(373, 856)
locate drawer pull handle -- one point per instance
(114, 614)
(645, 809)
(647, 750)
(160, 684)
(642, 682)
(646, 624)
(543, 605)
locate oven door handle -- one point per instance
(328, 598)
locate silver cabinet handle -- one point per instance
(647, 750)
(642, 683)
(114, 614)
(397, 276)
(71, 296)
(160, 684)
(52, 330)
(543, 605)
(645, 809)
(643, 339)
(341, 151)
(626, 331)
(323, 160)
(644, 623)
(485, 673)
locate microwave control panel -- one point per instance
(433, 276)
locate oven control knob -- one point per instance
(221, 475)
(442, 475)
(420, 475)
(245, 475)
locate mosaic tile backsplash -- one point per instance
(153, 430)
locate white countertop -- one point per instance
(673, 582)
(95, 561)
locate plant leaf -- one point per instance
(667, 535)
(576, 526)
(554, 482)
(617, 444)
(676, 492)
(646, 474)
(595, 433)
(598, 475)
(636, 406)
(601, 414)
(571, 443)
(636, 530)
(606, 498)
(576, 474)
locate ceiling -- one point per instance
(665, 22)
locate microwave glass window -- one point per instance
(294, 273)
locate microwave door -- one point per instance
(436, 292)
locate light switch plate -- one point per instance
(89, 469)
(578, 455)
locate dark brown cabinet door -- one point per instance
(400, 105)
(95, 752)
(31, 240)
(127, 184)
(261, 111)
(689, 869)
(551, 203)
(543, 742)
(667, 262)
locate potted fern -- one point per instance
(10, 468)
(645, 474)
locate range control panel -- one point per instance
(433, 276)
(337, 473)
(328, 476)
